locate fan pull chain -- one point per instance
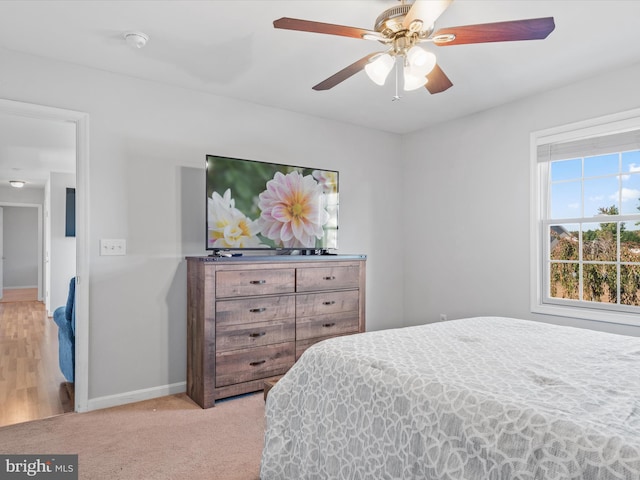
(396, 96)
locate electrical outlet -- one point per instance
(113, 246)
(443, 317)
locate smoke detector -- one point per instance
(136, 39)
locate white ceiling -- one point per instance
(30, 148)
(230, 48)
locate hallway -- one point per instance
(31, 384)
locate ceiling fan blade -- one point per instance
(328, 28)
(531, 29)
(345, 73)
(438, 81)
(426, 10)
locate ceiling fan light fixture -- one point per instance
(420, 60)
(404, 26)
(379, 69)
(413, 78)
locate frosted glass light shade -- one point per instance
(413, 79)
(419, 63)
(379, 68)
(421, 60)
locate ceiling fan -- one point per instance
(402, 27)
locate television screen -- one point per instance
(255, 205)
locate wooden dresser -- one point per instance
(250, 318)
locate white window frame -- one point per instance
(606, 125)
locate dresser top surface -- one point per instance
(277, 258)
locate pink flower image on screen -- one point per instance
(292, 209)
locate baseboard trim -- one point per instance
(135, 396)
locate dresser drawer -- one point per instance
(239, 366)
(234, 337)
(250, 310)
(327, 278)
(327, 325)
(240, 283)
(312, 304)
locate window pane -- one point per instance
(630, 194)
(631, 162)
(629, 242)
(630, 284)
(564, 242)
(564, 280)
(601, 194)
(599, 241)
(565, 200)
(567, 169)
(599, 283)
(601, 165)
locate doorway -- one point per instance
(80, 123)
(32, 386)
(21, 253)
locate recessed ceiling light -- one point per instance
(136, 39)
(17, 183)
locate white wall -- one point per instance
(146, 174)
(10, 197)
(469, 181)
(62, 249)
(20, 247)
(21, 195)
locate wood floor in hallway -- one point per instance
(11, 295)
(31, 384)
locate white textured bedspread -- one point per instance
(480, 398)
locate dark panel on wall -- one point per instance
(70, 213)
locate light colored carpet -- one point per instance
(165, 438)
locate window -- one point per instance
(586, 220)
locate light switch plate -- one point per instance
(113, 246)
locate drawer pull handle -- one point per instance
(258, 334)
(330, 277)
(327, 325)
(259, 362)
(257, 310)
(331, 302)
(258, 282)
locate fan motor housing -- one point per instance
(390, 22)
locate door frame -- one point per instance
(81, 121)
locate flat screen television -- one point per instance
(254, 205)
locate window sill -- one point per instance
(587, 314)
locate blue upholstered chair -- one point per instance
(65, 318)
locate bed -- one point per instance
(478, 398)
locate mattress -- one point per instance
(477, 398)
